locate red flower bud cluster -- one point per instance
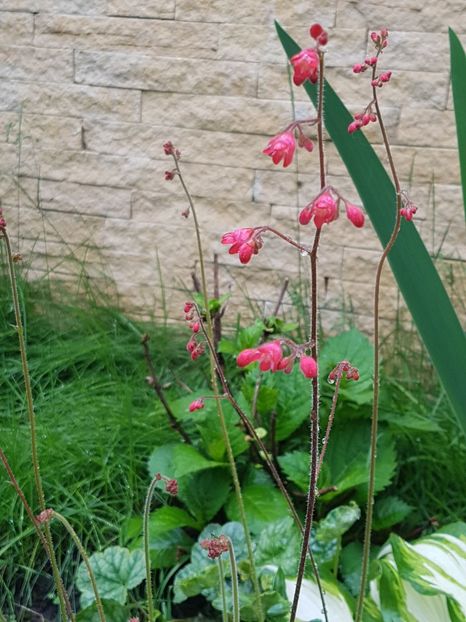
(44, 516)
(369, 62)
(382, 79)
(380, 39)
(344, 368)
(271, 358)
(194, 348)
(361, 119)
(319, 34)
(409, 209)
(2, 222)
(215, 546)
(170, 150)
(171, 485)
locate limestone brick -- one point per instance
(16, 28)
(33, 63)
(71, 100)
(147, 72)
(158, 36)
(82, 7)
(233, 114)
(143, 8)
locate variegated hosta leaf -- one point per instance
(310, 606)
(432, 579)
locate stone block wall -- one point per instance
(91, 89)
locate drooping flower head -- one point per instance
(196, 405)
(281, 147)
(323, 209)
(306, 66)
(308, 366)
(215, 546)
(246, 242)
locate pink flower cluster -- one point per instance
(282, 146)
(344, 368)
(380, 39)
(271, 358)
(325, 208)
(361, 119)
(45, 516)
(194, 348)
(171, 485)
(379, 81)
(306, 63)
(2, 222)
(170, 150)
(369, 62)
(215, 546)
(245, 242)
(409, 209)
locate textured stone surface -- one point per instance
(71, 100)
(146, 72)
(162, 37)
(92, 89)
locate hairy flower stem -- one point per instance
(234, 581)
(35, 524)
(221, 577)
(221, 416)
(311, 498)
(375, 404)
(329, 423)
(85, 558)
(64, 610)
(145, 536)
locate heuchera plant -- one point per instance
(322, 210)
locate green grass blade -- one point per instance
(458, 87)
(411, 264)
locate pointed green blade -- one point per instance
(411, 264)
(458, 87)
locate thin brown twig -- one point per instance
(157, 386)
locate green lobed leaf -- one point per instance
(205, 492)
(116, 571)
(113, 611)
(417, 278)
(279, 544)
(390, 511)
(177, 459)
(262, 504)
(295, 465)
(458, 88)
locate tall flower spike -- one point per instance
(306, 66)
(281, 147)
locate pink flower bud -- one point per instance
(195, 327)
(247, 356)
(354, 126)
(366, 119)
(371, 61)
(308, 366)
(306, 143)
(374, 37)
(168, 148)
(385, 77)
(305, 215)
(355, 215)
(316, 30)
(45, 516)
(169, 175)
(191, 345)
(196, 405)
(323, 39)
(188, 306)
(358, 68)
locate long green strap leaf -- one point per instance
(411, 264)
(458, 87)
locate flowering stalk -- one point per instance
(64, 609)
(85, 558)
(311, 498)
(213, 376)
(263, 452)
(234, 581)
(221, 577)
(375, 405)
(35, 524)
